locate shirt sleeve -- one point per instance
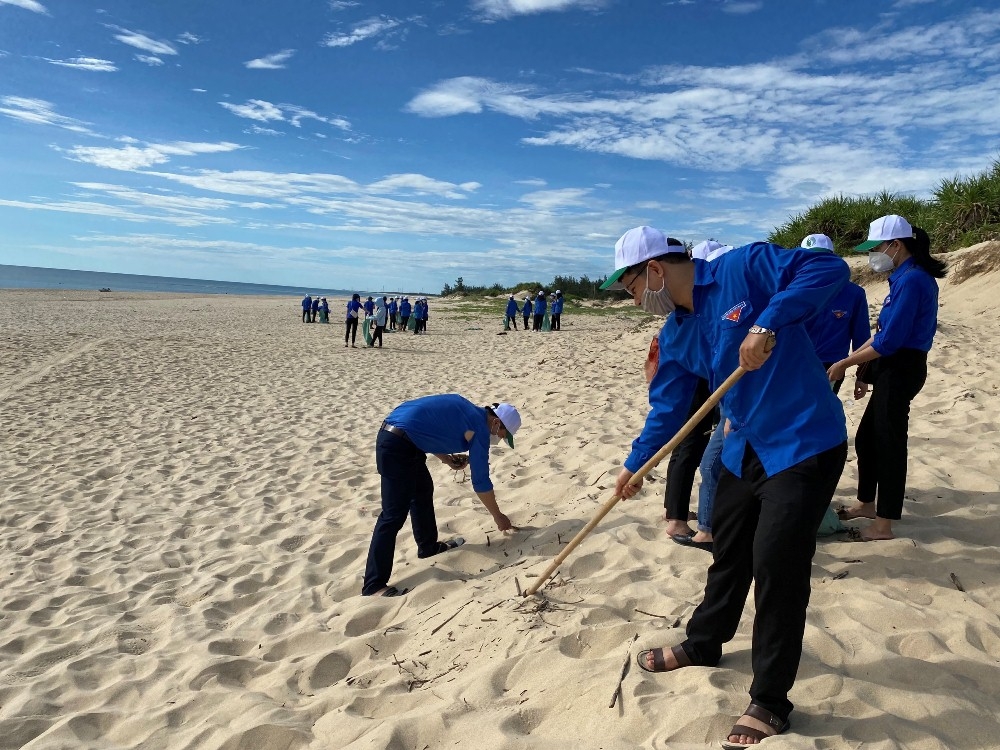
(479, 463)
(861, 329)
(800, 281)
(670, 393)
(897, 319)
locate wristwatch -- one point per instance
(759, 329)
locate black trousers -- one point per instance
(377, 334)
(305, 316)
(404, 321)
(556, 324)
(764, 530)
(407, 489)
(881, 438)
(513, 321)
(537, 324)
(684, 461)
(352, 330)
(527, 321)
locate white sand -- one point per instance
(187, 492)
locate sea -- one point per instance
(29, 277)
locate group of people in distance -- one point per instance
(386, 314)
(313, 307)
(534, 312)
(781, 320)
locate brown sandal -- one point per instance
(659, 663)
(761, 714)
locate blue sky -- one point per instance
(399, 145)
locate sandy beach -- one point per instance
(187, 493)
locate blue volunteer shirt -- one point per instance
(306, 303)
(908, 319)
(404, 309)
(527, 307)
(786, 409)
(437, 424)
(557, 306)
(369, 307)
(511, 308)
(841, 324)
(353, 306)
(539, 306)
(393, 307)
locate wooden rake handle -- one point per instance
(682, 433)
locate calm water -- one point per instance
(28, 277)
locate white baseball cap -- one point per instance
(891, 227)
(709, 250)
(638, 245)
(510, 418)
(817, 242)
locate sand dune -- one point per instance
(187, 491)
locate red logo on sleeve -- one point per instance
(734, 313)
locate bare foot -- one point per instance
(858, 510)
(878, 531)
(670, 662)
(702, 536)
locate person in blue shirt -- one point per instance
(306, 308)
(894, 363)
(393, 310)
(314, 309)
(417, 310)
(526, 311)
(781, 460)
(424, 315)
(404, 313)
(354, 309)
(842, 326)
(557, 308)
(369, 307)
(324, 310)
(538, 310)
(511, 312)
(445, 425)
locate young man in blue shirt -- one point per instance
(511, 312)
(557, 308)
(842, 325)
(306, 308)
(526, 311)
(782, 457)
(354, 309)
(538, 310)
(444, 425)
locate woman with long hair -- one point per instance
(894, 363)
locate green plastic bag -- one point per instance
(506, 323)
(411, 324)
(366, 329)
(831, 524)
(546, 325)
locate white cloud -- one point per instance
(38, 112)
(143, 42)
(549, 200)
(532, 182)
(366, 29)
(418, 184)
(337, 5)
(200, 91)
(270, 62)
(263, 111)
(151, 60)
(497, 9)
(188, 38)
(131, 157)
(33, 5)
(95, 64)
(258, 130)
(742, 7)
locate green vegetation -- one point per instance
(570, 286)
(962, 212)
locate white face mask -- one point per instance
(881, 262)
(494, 439)
(658, 302)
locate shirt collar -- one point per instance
(905, 266)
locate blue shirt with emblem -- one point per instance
(841, 324)
(908, 319)
(438, 424)
(557, 306)
(539, 306)
(785, 410)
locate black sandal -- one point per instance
(761, 714)
(659, 663)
